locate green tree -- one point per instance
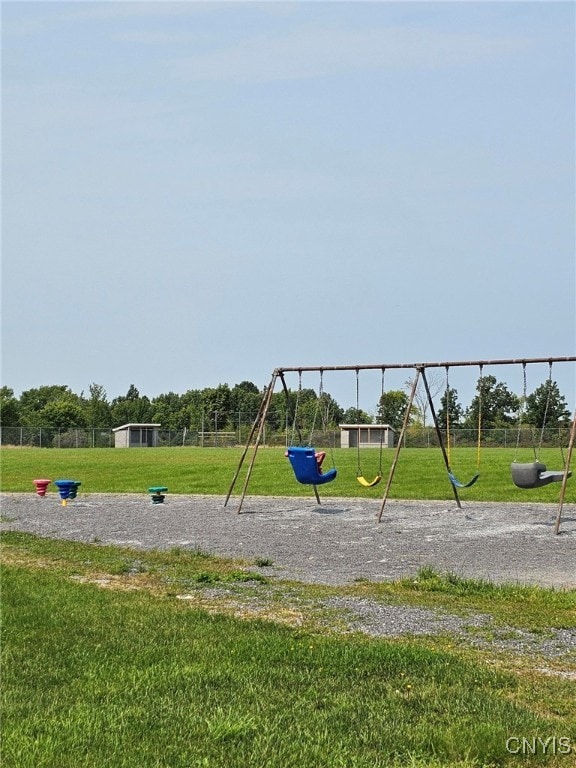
(499, 405)
(330, 413)
(306, 408)
(392, 407)
(62, 414)
(33, 401)
(216, 403)
(131, 408)
(9, 408)
(97, 409)
(450, 408)
(245, 399)
(192, 409)
(167, 410)
(356, 416)
(281, 411)
(546, 406)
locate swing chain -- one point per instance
(548, 394)
(448, 447)
(359, 468)
(479, 442)
(381, 430)
(326, 418)
(319, 406)
(521, 412)
(295, 419)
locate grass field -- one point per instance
(103, 666)
(128, 675)
(420, 472)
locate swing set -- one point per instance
(306, 462)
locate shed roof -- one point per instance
(129, 426)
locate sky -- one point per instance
(197, 193)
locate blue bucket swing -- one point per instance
(306, 461)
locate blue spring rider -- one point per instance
(68, 489)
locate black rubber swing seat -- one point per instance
(534, 475)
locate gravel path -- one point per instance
(335, 543)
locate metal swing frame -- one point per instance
(256, 433)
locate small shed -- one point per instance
(136, 436)
(366, 436)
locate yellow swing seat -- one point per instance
(368, 483)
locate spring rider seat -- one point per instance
(67, 489)
(41, 486)
(158, 492)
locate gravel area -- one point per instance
(478, 630)
(335, 543)
(340, 542)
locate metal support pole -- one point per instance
(439, 435)
(565, 478)
(257, 441)
(420, 366)
(400, 441)
(258, 421)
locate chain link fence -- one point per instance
(415, 437)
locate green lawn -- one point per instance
(420, 472)
(129, 676)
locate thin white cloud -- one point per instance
(317, 52)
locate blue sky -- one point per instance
(197, 193)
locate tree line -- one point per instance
(57, 408)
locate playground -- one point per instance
(342, 539)
(339, 542)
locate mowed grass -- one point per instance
(131, 677)
(420, 472)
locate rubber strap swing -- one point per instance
(359, 474)
(534, 474)
(305, 461)
(452, 477)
